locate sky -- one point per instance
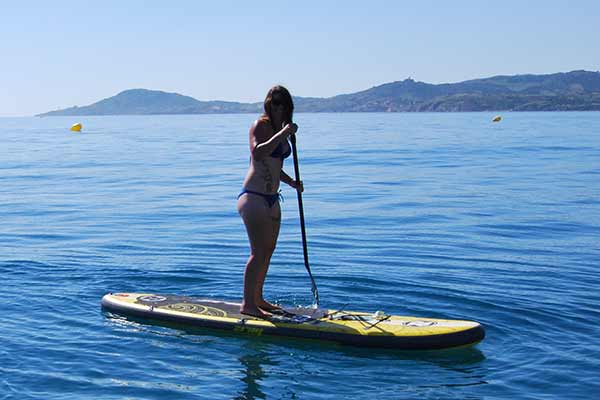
(57, 54)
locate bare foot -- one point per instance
(265, 305)
(255, 312)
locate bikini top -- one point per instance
(278, 152)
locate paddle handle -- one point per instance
(314, 289)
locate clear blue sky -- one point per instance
(57, 54)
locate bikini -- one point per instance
(271, 199)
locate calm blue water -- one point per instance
(436, 215)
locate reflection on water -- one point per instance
(253, 375)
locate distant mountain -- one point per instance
(143, 101)
(576, 90)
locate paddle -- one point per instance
(315, 292)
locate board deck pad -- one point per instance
(347, 327)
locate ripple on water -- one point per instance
(436, 215)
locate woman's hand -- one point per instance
(290, 129)
(298, 185)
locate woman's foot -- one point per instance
(255, 312)
(266, 306)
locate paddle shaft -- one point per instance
(315, 292)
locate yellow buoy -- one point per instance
(76, 127)
(497, 118)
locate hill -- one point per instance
(571, 91)
(143, 101)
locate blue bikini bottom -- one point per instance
(269, 198)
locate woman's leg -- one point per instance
(275, 214)
(258, 222)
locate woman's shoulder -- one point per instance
(263, 120)
(262, 126)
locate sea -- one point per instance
(444, 215)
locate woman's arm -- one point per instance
(260, 143)
(285, 178)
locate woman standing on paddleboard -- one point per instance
(258, 204)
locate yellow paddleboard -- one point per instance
(346, 327)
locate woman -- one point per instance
(258, 204)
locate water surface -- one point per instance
(434, 215)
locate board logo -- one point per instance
(247, 329)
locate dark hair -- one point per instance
(287, 101)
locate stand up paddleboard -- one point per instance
(345, 327)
